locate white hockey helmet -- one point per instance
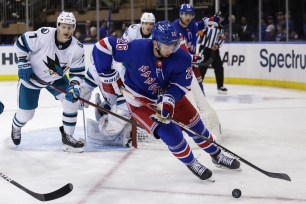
(67, 18)
(147, 18)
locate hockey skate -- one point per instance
(222, 90)
(16, 135)
(225, 162)
(200, 171)
(70, 144)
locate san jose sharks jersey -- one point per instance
(50, 60)
(190, 33)
(134, 32)
(146, 76)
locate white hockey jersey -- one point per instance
(50, 60)
(134, 32)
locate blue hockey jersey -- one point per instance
(190, 33)
(146, 76)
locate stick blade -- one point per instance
(279, 176)
(58, 193)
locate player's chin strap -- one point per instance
(158, 49)
(184, 127)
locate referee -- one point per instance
(210, 42)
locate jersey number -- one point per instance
(33, 36)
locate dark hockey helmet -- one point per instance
(165, 33)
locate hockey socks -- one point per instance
(203, 144)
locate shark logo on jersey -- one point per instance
(55, 67)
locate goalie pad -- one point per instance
(110, 130)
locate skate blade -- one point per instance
(222, 92)
(67, 148)
(225, 168)
(211, 180)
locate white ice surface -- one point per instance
(264, 125)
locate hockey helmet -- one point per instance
(165, 33)
(187, 9)
(147, 18)
(67, 18)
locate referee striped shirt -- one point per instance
(214, 35)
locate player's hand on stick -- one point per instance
(160, 119)
(24, 70)
(73, 92)
(166, 104)
(111, 83)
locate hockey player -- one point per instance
(188, 30)
(160, 73)
(212, 40)
(142, 30)
(47, 55)
(1, 107)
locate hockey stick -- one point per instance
(89, 103)
(42, 196)
(84, 123)
(184, 127)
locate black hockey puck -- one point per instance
(236, 193)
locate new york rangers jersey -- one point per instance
(134, 32)
(50, 60)
(146, 76)
(190, 33)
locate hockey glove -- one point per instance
(111, 83)
(197, 59)
(1, 107)
(25, 71)
(73, 92)
(212, 21)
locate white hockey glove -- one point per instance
(212, 21)
(111, 83)
(165, 104)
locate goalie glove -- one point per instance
(73, 91)
(111, 83)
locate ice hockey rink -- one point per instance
(264, 125)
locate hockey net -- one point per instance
(141, 139)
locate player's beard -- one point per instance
(185, 23)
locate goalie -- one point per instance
(109, 130)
